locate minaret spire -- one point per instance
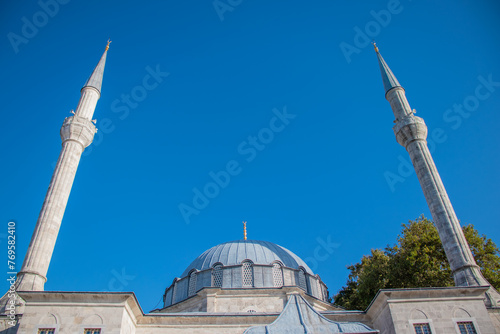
(77, 132)
(388, 78)
(411, 133)
(95, 79)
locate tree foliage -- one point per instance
(416, 260)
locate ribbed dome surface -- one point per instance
(234, 252)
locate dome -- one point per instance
(234, 252)
(243, 264)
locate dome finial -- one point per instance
(244, 230)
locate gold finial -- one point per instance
(375, 46)
(107, 46)
(244, 230)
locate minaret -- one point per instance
(411, 133)
(77, 132)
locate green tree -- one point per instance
(416, 260)
(373, 272)
(485, 253)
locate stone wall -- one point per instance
(392, 311)
(270, 300)
(70, 312)
(397, 311)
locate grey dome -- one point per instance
(234, 273)
(234, 252)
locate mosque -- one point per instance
(249, 286)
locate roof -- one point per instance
(299, 317)
(388, 78)
(235, 252)
(95, 79)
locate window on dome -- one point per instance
(277, 275)
(302, 280)
(192, 283)
(247, 274)
(217, 276)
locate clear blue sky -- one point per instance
(320, 179)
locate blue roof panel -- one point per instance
(299, 317)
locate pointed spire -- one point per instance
(95, 79)
(388, 77)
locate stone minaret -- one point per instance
(411, 133)
(77, 132)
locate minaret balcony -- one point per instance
(410, 128)
(78, 129)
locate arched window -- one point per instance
(277, 275)
(247, 272)
(192, 283)
(217, 275)
(250, 309)
(302, 279)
